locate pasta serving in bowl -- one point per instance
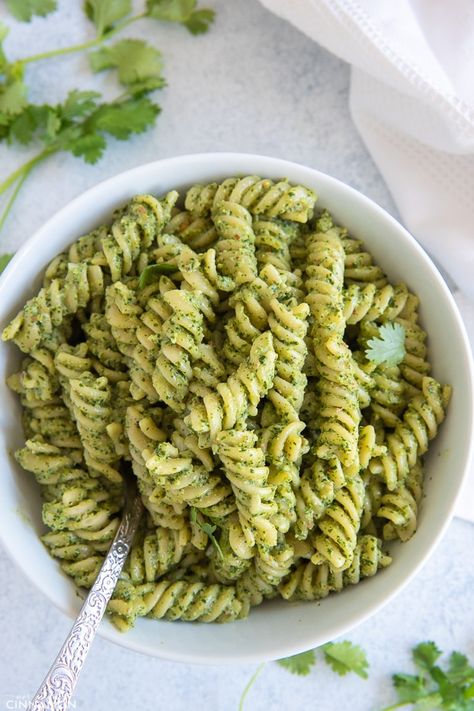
(272, 358)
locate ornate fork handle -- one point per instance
(56, 691)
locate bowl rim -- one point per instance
(275, 165)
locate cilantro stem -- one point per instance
(82, 46)
(250, 683)
(25, 168)
(12, 199)
(19, 176)
(434, 696)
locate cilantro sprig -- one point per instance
(389, 346)
(447, 686)
(112, 16)
(79, 126)
(197, 519)
(449, 689)
(343, 658)
(82, 124)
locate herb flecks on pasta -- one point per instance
(247, 361)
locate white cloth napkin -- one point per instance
(412, 100)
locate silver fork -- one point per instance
(56, 691)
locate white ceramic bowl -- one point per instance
(277, 628)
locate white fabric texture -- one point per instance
(412, 100)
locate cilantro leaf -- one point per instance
(389, 347)
(449, 692)
(148, 276)
(24, 10)
(425, 655)
(120, 120)
(90, 146)
(79, 103)
(12, 97)
(105, 13)
(182, 11)
(206, 527)
(344, 657)
(136, 62)
(33, 119)
(459, 669)
(4, 259)
(410, 688)
(170, 10)
(300, 664)
(199, 21)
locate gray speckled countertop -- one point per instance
(253, 84)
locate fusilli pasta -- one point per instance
(274, 458)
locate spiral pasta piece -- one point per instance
(400, 506)
(71, 362)
(200, 274)
(288, 325)
(311, 582)
(198, 233)
(267, 570)
(134, 230)
(414, 366)
(157, 552)
(389, 394)
(339, 414)
(37, 380)
(273, 238)
(359, 267)
(108, 360)
(252, 306)
(314, 582)
(239, 395)
(317, 490)
(181, 600)
(259, 196)
(79, 561)
(336, 533)
(182, 334)
(235, 249)
(50, 464)
(367, 303)
(41, 321)
(185, 482)
(411, 436)
(90, 400)
(208, 371)
(244, 467)
(148, 334)
(44, 415)
(85, 507)
(368, 559)
(122, 313)
(143, 431)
